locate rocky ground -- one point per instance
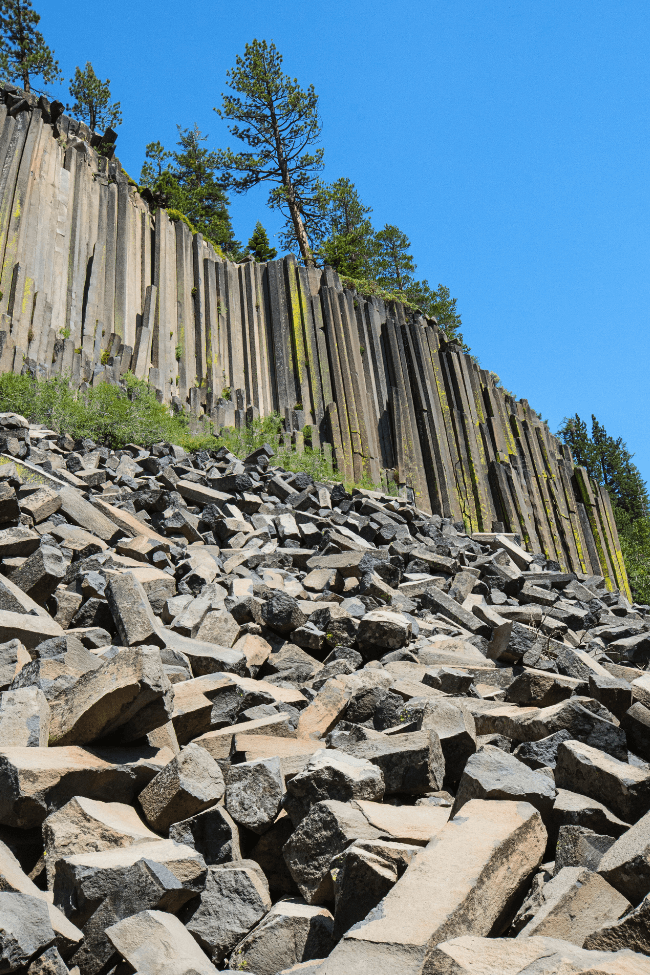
(254, 723)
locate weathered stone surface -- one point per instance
(30, 630)
(155, 943)
(14, 879)
(577, 902)
(410, 763)
(460, 884)
(25, 930)
(331, 774)
(187, 785)
(622, 787)
(24, 717)
(212, 833)
(143, 885)
(456, 731)
(361, 880)
(572, 809)
(35, 781)
(235, 898)
(580, 847)
(320, 716)
(384, 629)
(41, 573)
(631, 932)
(492, 774)
(86, 826)
(83, 881)
(626, 865)
(541, 956)
(291, 932)
(13, 656)
(254, 793)
(113, 697)
(131, 611)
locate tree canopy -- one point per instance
(279, 122)
(93, 100)
(609, 462)
(259, 246)
(24, 55)
(188, 181)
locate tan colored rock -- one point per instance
(631, 931)
(30, 630)
(191, 782)
(13, 657)
(293, 753)
(83, 881)
(623, 788)
(255, 649)
(127, 523)
(111, 698)
(155, 943)
(13, 878)
(321, 715)
(34, 781)
(460, 884)
(292, 932)
(131, 610)
(24, 717)
(626, 865)
(530, 956)
(576, 902)
(41, 504)
(219, 742)
(86, 826)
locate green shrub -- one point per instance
(175, 215)
(106, 413)
(116, 415)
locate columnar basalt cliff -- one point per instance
(94, 283)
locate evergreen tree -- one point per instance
(259, 246)
(93, 100)
(393, 265)
(608, 461)
(278, 120)
(152, 169)
(24, 55)
(189, 184)
(344, 235)
(438, 304)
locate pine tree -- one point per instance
(93, 100)
(259, 246)
(393, 265)
(24, 55)
(344, 236)
(608, 461)
(155, 158)
(437, 304)
(187, 181)
(278, 120)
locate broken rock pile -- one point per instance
(250, 722)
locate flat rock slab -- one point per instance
(530, 956)
(155, 943)
(458, 885)
(35, 781)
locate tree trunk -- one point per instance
(296, 219)
(299, 228)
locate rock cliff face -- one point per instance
(93, 283)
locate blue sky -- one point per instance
(509, 140)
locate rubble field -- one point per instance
(249, 722)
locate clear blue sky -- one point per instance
(509, 140)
